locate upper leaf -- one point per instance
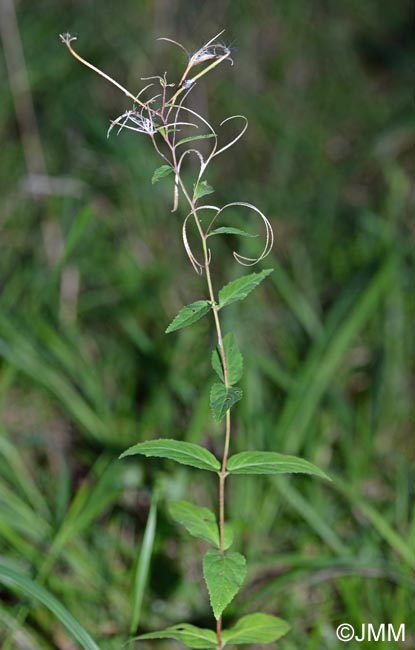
(240, 288)
(160, 172)
(229, 230)
(196, 137)
(269, 462)
(202, 189)
(190, 635)
(185, 453)
(222, 399)
(256, 628)
(224, 575)
(200, 522)
(189, 314)
(234, 360)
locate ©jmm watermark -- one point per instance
(369, 632)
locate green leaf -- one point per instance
(224, 575)
(269, 462)
(234, 360)
(185, 453)
(222, 399)
(226, 230)
(202, 189)
(161, 172)
(240, 288)
(189, 314)
(256, 628)
(200, 522)
(190, 635)
(196, 137)
(11, 578)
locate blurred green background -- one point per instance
(92, 270)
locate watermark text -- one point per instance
(370, 632)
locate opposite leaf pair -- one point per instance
(231, 292)
(224, 573)
(246, 462)
(254, 628)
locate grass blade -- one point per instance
(326, 357)
(311, 515)
(378, 522)
(10, 577)
(143, 565)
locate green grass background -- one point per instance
(85, 366)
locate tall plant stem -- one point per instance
(215, 308)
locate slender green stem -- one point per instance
(215, 309)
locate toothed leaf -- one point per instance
(161, 172)
(190, 635)
(222, 399)
(224, 575)
(269, 462)
(189, 314)
(200, 522)
(234, 360)
(256, 628)
(185, 453)
(203, 189)
(240, 288)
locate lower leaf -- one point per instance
(190, 635)
(270, 462)
(186, 453)
(256, 628)
(224, 574)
